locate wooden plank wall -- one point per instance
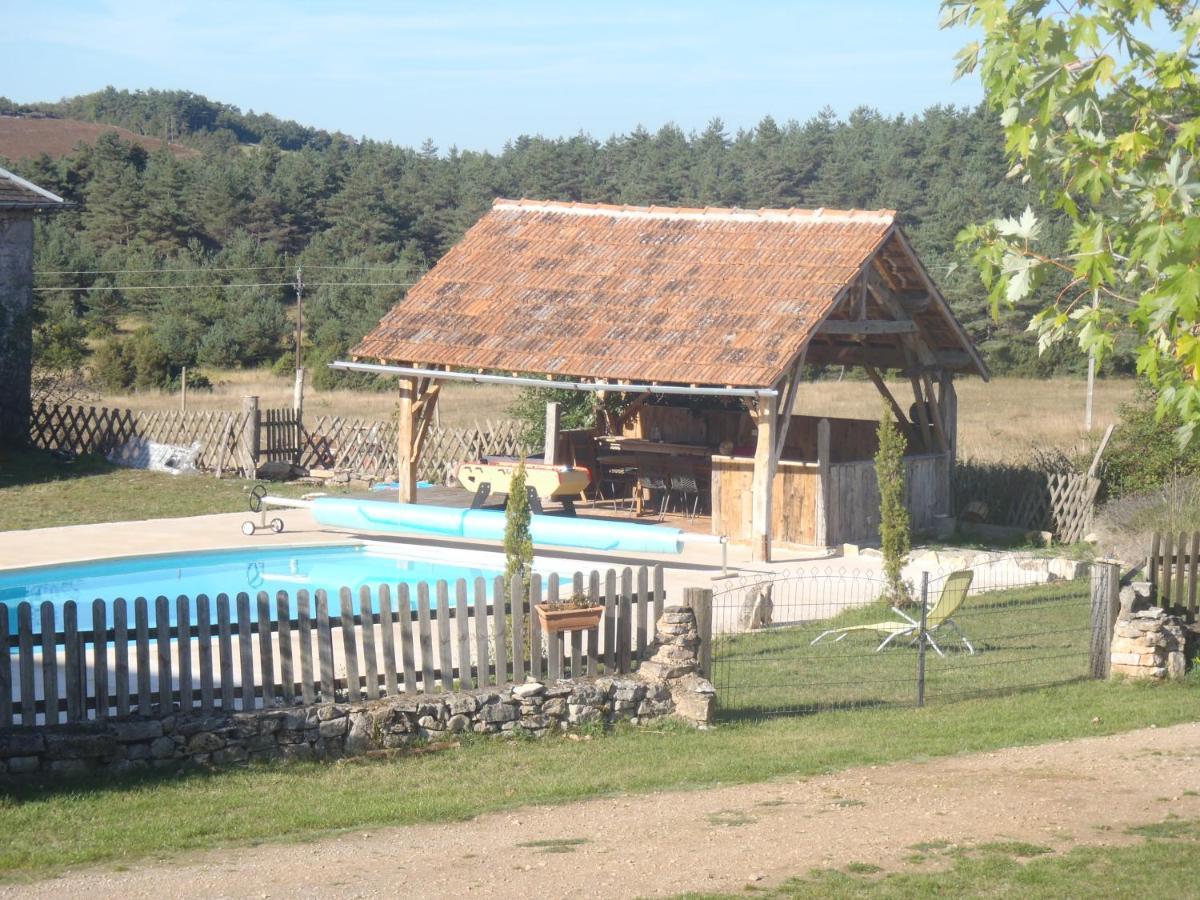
(854, 497)
(793, 501)
(83, 661)
(850, 439)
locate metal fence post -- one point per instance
(921, 639)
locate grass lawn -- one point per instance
(1152, 867)
(120, 820)
(38, 491)
(1025, 636)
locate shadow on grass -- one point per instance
(21, 467)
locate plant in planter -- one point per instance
(575, 613)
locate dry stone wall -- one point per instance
(666, 685)
(1148, 642)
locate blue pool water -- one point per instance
(224, 571)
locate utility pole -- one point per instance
(1091, 387)
(299, 311)
(298, 389)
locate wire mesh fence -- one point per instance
(796, 642)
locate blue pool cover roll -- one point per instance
(488, 525)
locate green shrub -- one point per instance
(577, 409)
(518, 543)
(1144, 454)
(895, 536)
(111, 367)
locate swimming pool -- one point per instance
(230, 572)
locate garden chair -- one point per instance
(953, 593)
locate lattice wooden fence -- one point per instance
(367, 448)
(80, 430)
(361, 447)
(1024, 497)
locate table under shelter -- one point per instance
(691, 329)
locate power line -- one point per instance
(156, 271)
(164, 287)
(205, 269)
(198, 287)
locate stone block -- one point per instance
(556, 708)
(1176, 664)
(74, 746)
(529, 689)
(497, 713)
(21, 744)
(462, 704)
(1126, 659)
(205, 742)
(331, 712)
(23, 765)
(331, 728)
(71, 766)
(359, 738)
(457, 724)
(578, 714)
(128, 732)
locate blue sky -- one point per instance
(476, 74)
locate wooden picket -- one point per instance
(203, 656)
(1173, 568)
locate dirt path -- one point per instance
(721, 838)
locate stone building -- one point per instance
(19, 202)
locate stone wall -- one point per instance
(16, 323)
(1147, 642)
(666, 685)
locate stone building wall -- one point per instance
(666, 685)
(16, 324)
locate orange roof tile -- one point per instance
(705, 296)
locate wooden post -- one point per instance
(183, 390)
(1106, 601)
(298, 393)
(922, 412)
(550, 453)
(407, 474)
(699, 600)
(948, 400)
(935, 414)
(250, 436)
(823, 486)
(765, 459)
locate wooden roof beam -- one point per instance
(867, 327)
(892, 358)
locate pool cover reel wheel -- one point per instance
(250, 527)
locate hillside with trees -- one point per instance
(166, 261)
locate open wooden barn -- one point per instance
(692, 329)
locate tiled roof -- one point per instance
(17, 193)
(693, 296)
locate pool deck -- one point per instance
(696, 566)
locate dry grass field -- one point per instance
(23, 136)
(1005, 419)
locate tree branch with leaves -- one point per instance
(1100, 105)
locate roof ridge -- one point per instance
(30, 186)
(790, 214)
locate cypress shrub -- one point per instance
(894, 527)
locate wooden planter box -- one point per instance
(568, 619)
